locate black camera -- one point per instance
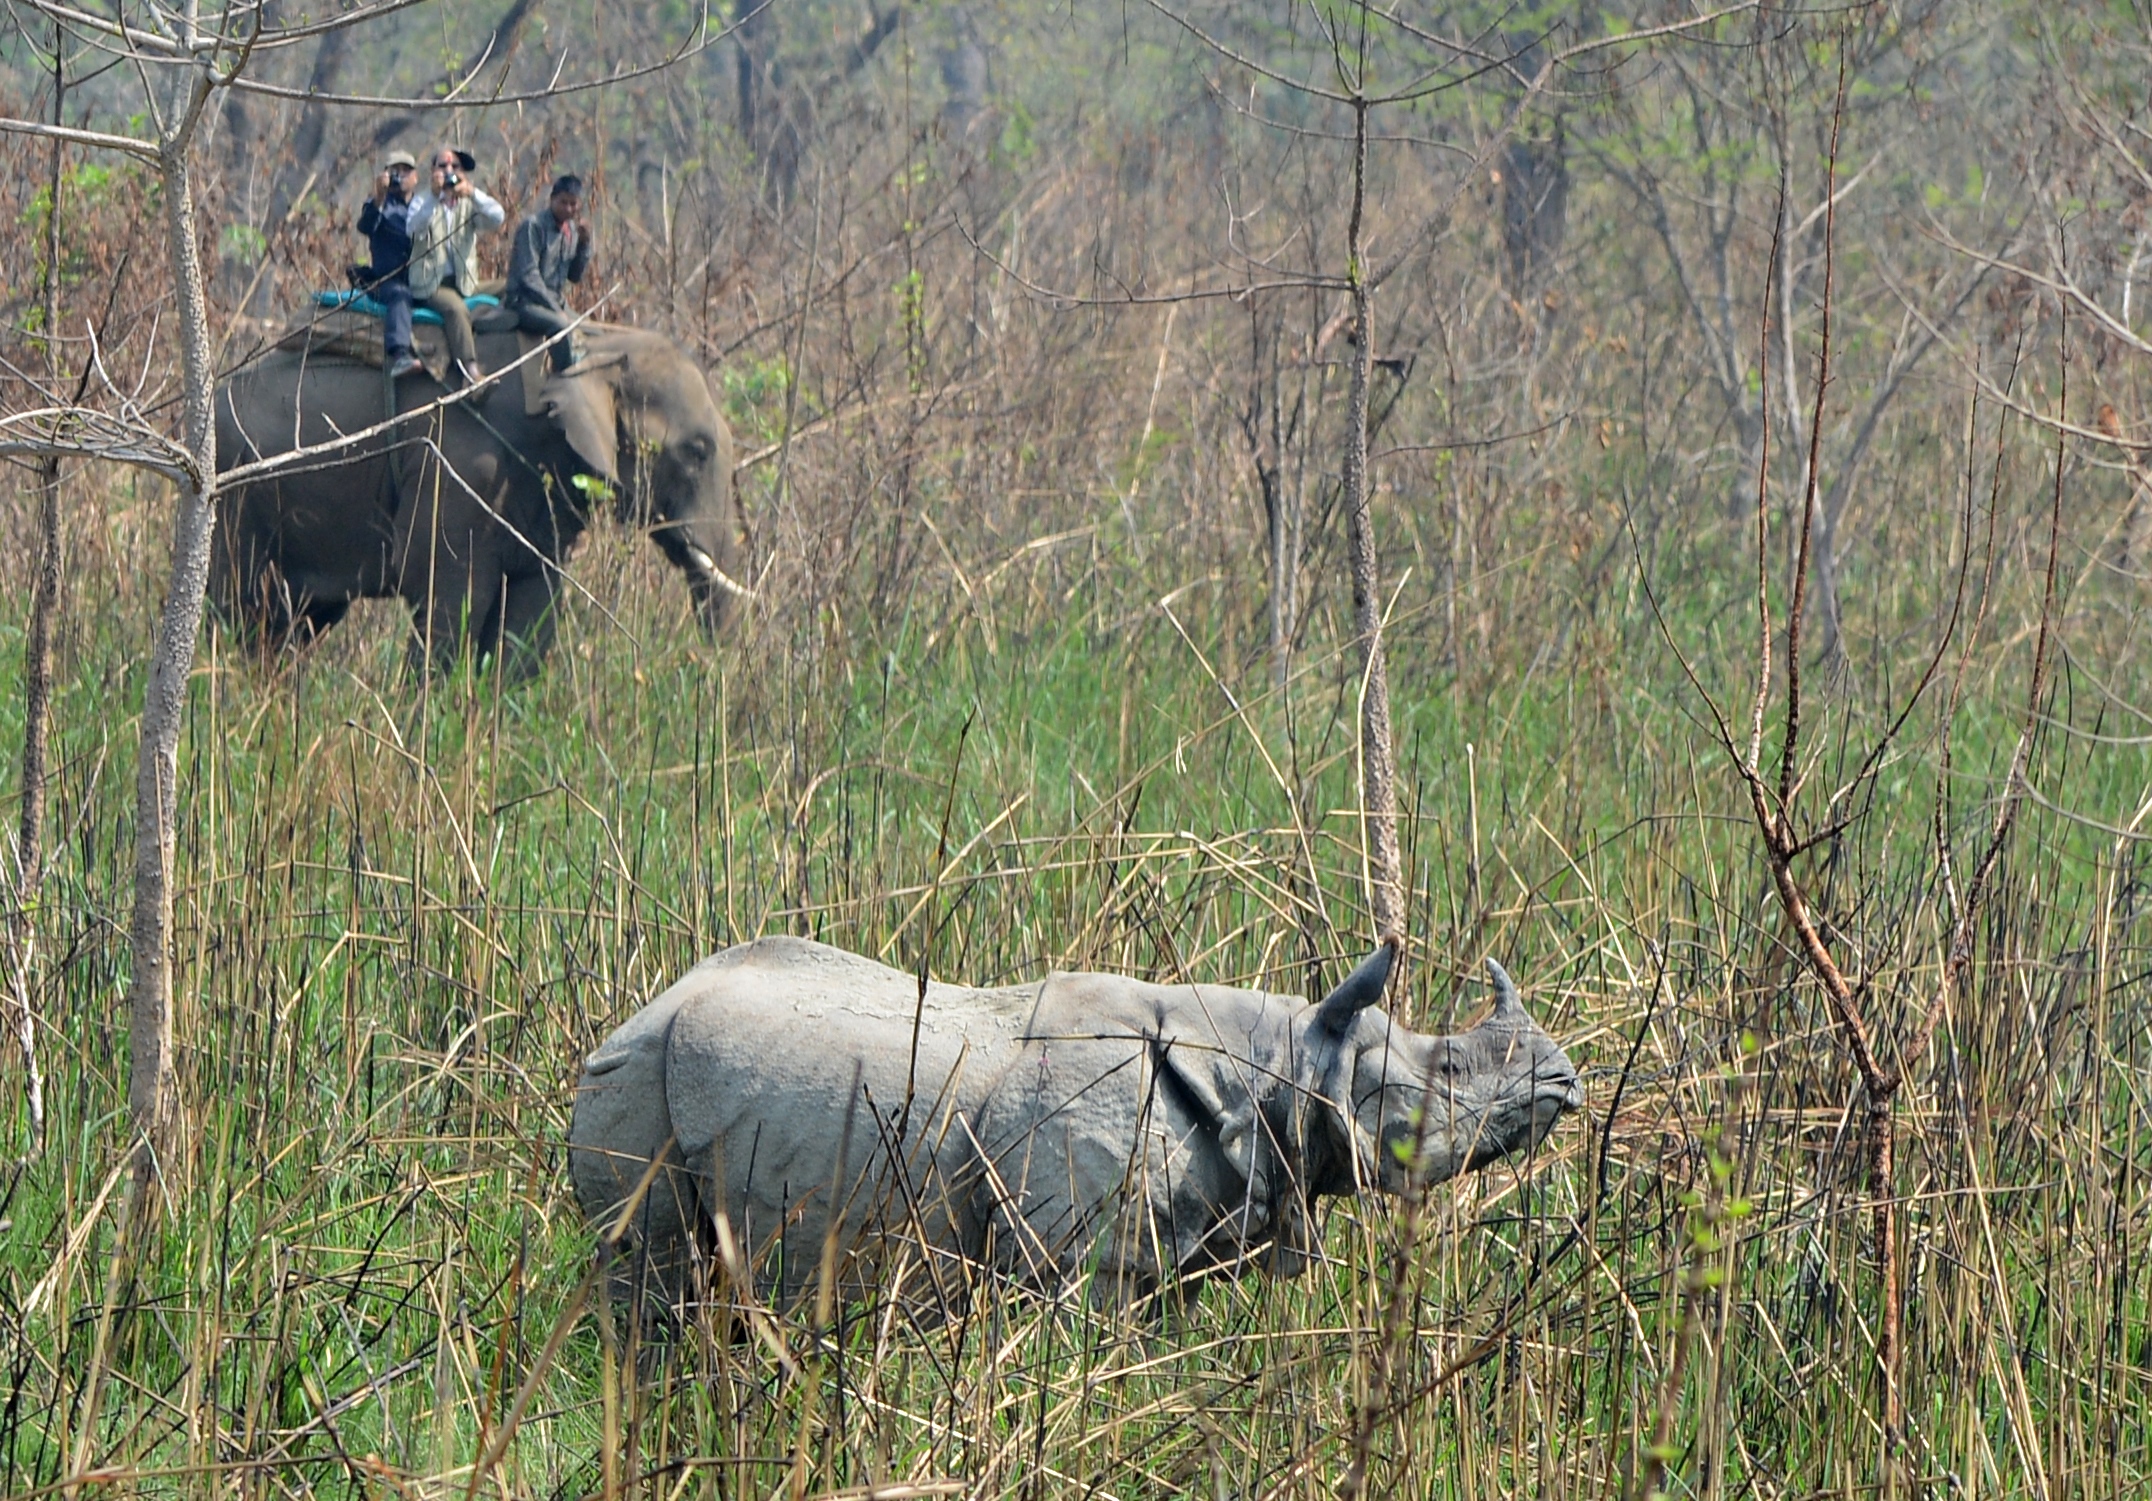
(451, 177)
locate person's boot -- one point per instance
(404, 364)
(469, 372)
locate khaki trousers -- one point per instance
(455, 323)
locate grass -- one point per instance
(406, 913)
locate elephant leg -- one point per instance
(317, 617)
(269, 617)
(527, 618)
(252, 598)
(454, 596)
(227, 572)
(258, 609)
(448, 561)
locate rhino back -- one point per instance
(787, 1056)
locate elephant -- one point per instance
(474, 545)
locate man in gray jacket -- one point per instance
(445, 225)
(552, 248)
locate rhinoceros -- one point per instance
(785, 1096)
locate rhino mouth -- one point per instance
(1523, 1124)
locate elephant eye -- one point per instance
(699, 449)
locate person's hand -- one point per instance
(381, 187)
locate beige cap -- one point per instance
(400, 159)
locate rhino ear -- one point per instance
(1360, 990)
(581, 406)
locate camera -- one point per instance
(451, 178)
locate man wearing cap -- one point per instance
(552, 248)
(445, 225)
(386, 223)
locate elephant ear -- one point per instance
(581, 406)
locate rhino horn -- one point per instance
(1359, 990)
(1508, 1005)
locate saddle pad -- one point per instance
(348, 333)
(359, 302)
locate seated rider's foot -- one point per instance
(470, 372)
(403, 365)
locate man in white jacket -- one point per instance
(445, 225)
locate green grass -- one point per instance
(405, 915)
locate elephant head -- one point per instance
(640, 416)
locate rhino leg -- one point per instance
(621, 1126)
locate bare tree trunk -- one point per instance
(1283, 569)
(313, 153)
(750, 36)
(37, 655)
(1824, 618)
(296, 174)
(1263, 425)
(1292, 500)
(1535, 212)
(152, 1090)
(497, 48)
(1750, 436)
(1378, 760)
(36, 730)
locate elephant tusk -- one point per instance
(706, 565)
(731, 584)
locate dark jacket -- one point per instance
(546, 256)
(387, 227)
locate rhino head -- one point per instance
(1418, 1109)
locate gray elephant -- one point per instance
(474, 545)
(786, 1100)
